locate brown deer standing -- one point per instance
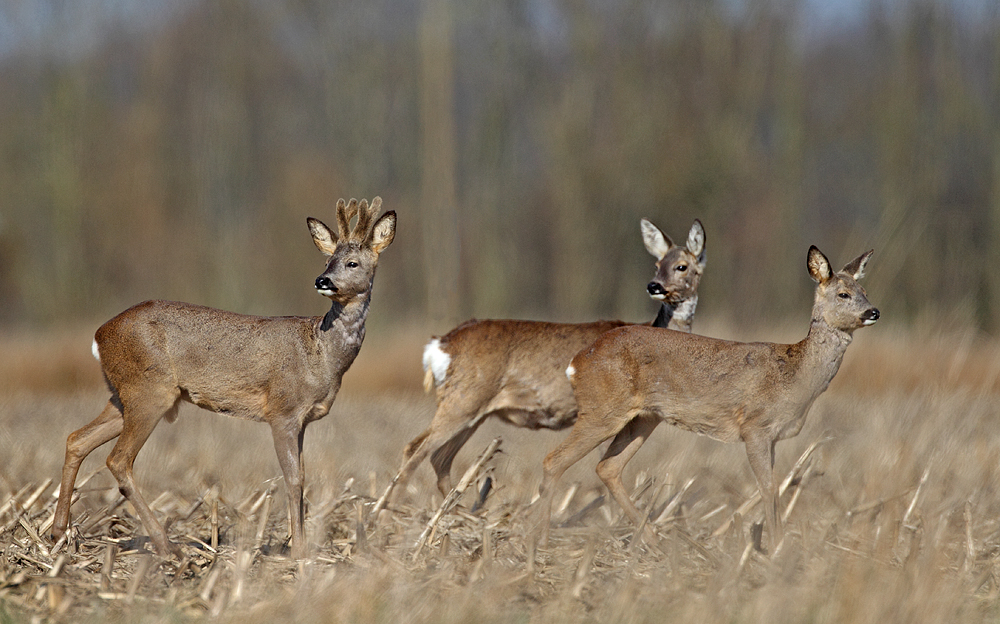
(632, 378)
(284, 371)
(515, 370)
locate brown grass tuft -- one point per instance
(896, 516)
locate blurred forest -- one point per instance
(176, 152)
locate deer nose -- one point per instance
(870, 316)
(325, 283)
(655, 289)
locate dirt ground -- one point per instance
(893, 511)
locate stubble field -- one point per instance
(893, 510)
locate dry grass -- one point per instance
(895, 517)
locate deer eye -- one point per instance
(844, 295)
(352, 265)
(681, 268)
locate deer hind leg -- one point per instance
(443, 428)
(760, 451)
(622, 449)
(413, 453)
(444, 455)
(79, 445)
(588, 432)
(440, 433)
(140, 415)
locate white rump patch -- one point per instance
(95, 351)
(436, 361)
(570, 371)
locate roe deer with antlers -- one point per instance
(515, 369)
(633, 378)
(284, 371)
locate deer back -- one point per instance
(255, 367)
(718, 387)
(510, 363)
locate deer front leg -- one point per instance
(760, 451)
(288, 446)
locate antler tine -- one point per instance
(366, 216)
(343, 219)
(375, 209)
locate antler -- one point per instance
(366, 217)
(366, 214)
(345, 212)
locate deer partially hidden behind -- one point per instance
(284, 371)
(633, 378)
(515, 370)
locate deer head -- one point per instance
(678, 269)
(840, 301)
(353, 253)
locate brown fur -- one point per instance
(285, 371)
(516, 370)
(632, 378)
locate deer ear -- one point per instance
(856, 268)
(657, 243)
(383, 232)
(696, 242)
(819, 266)
(325, 239)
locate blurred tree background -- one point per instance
(173, 150)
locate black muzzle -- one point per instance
(870, 316)
(325, 283)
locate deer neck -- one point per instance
(822, 352)
(677, 316)
(343, 327)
